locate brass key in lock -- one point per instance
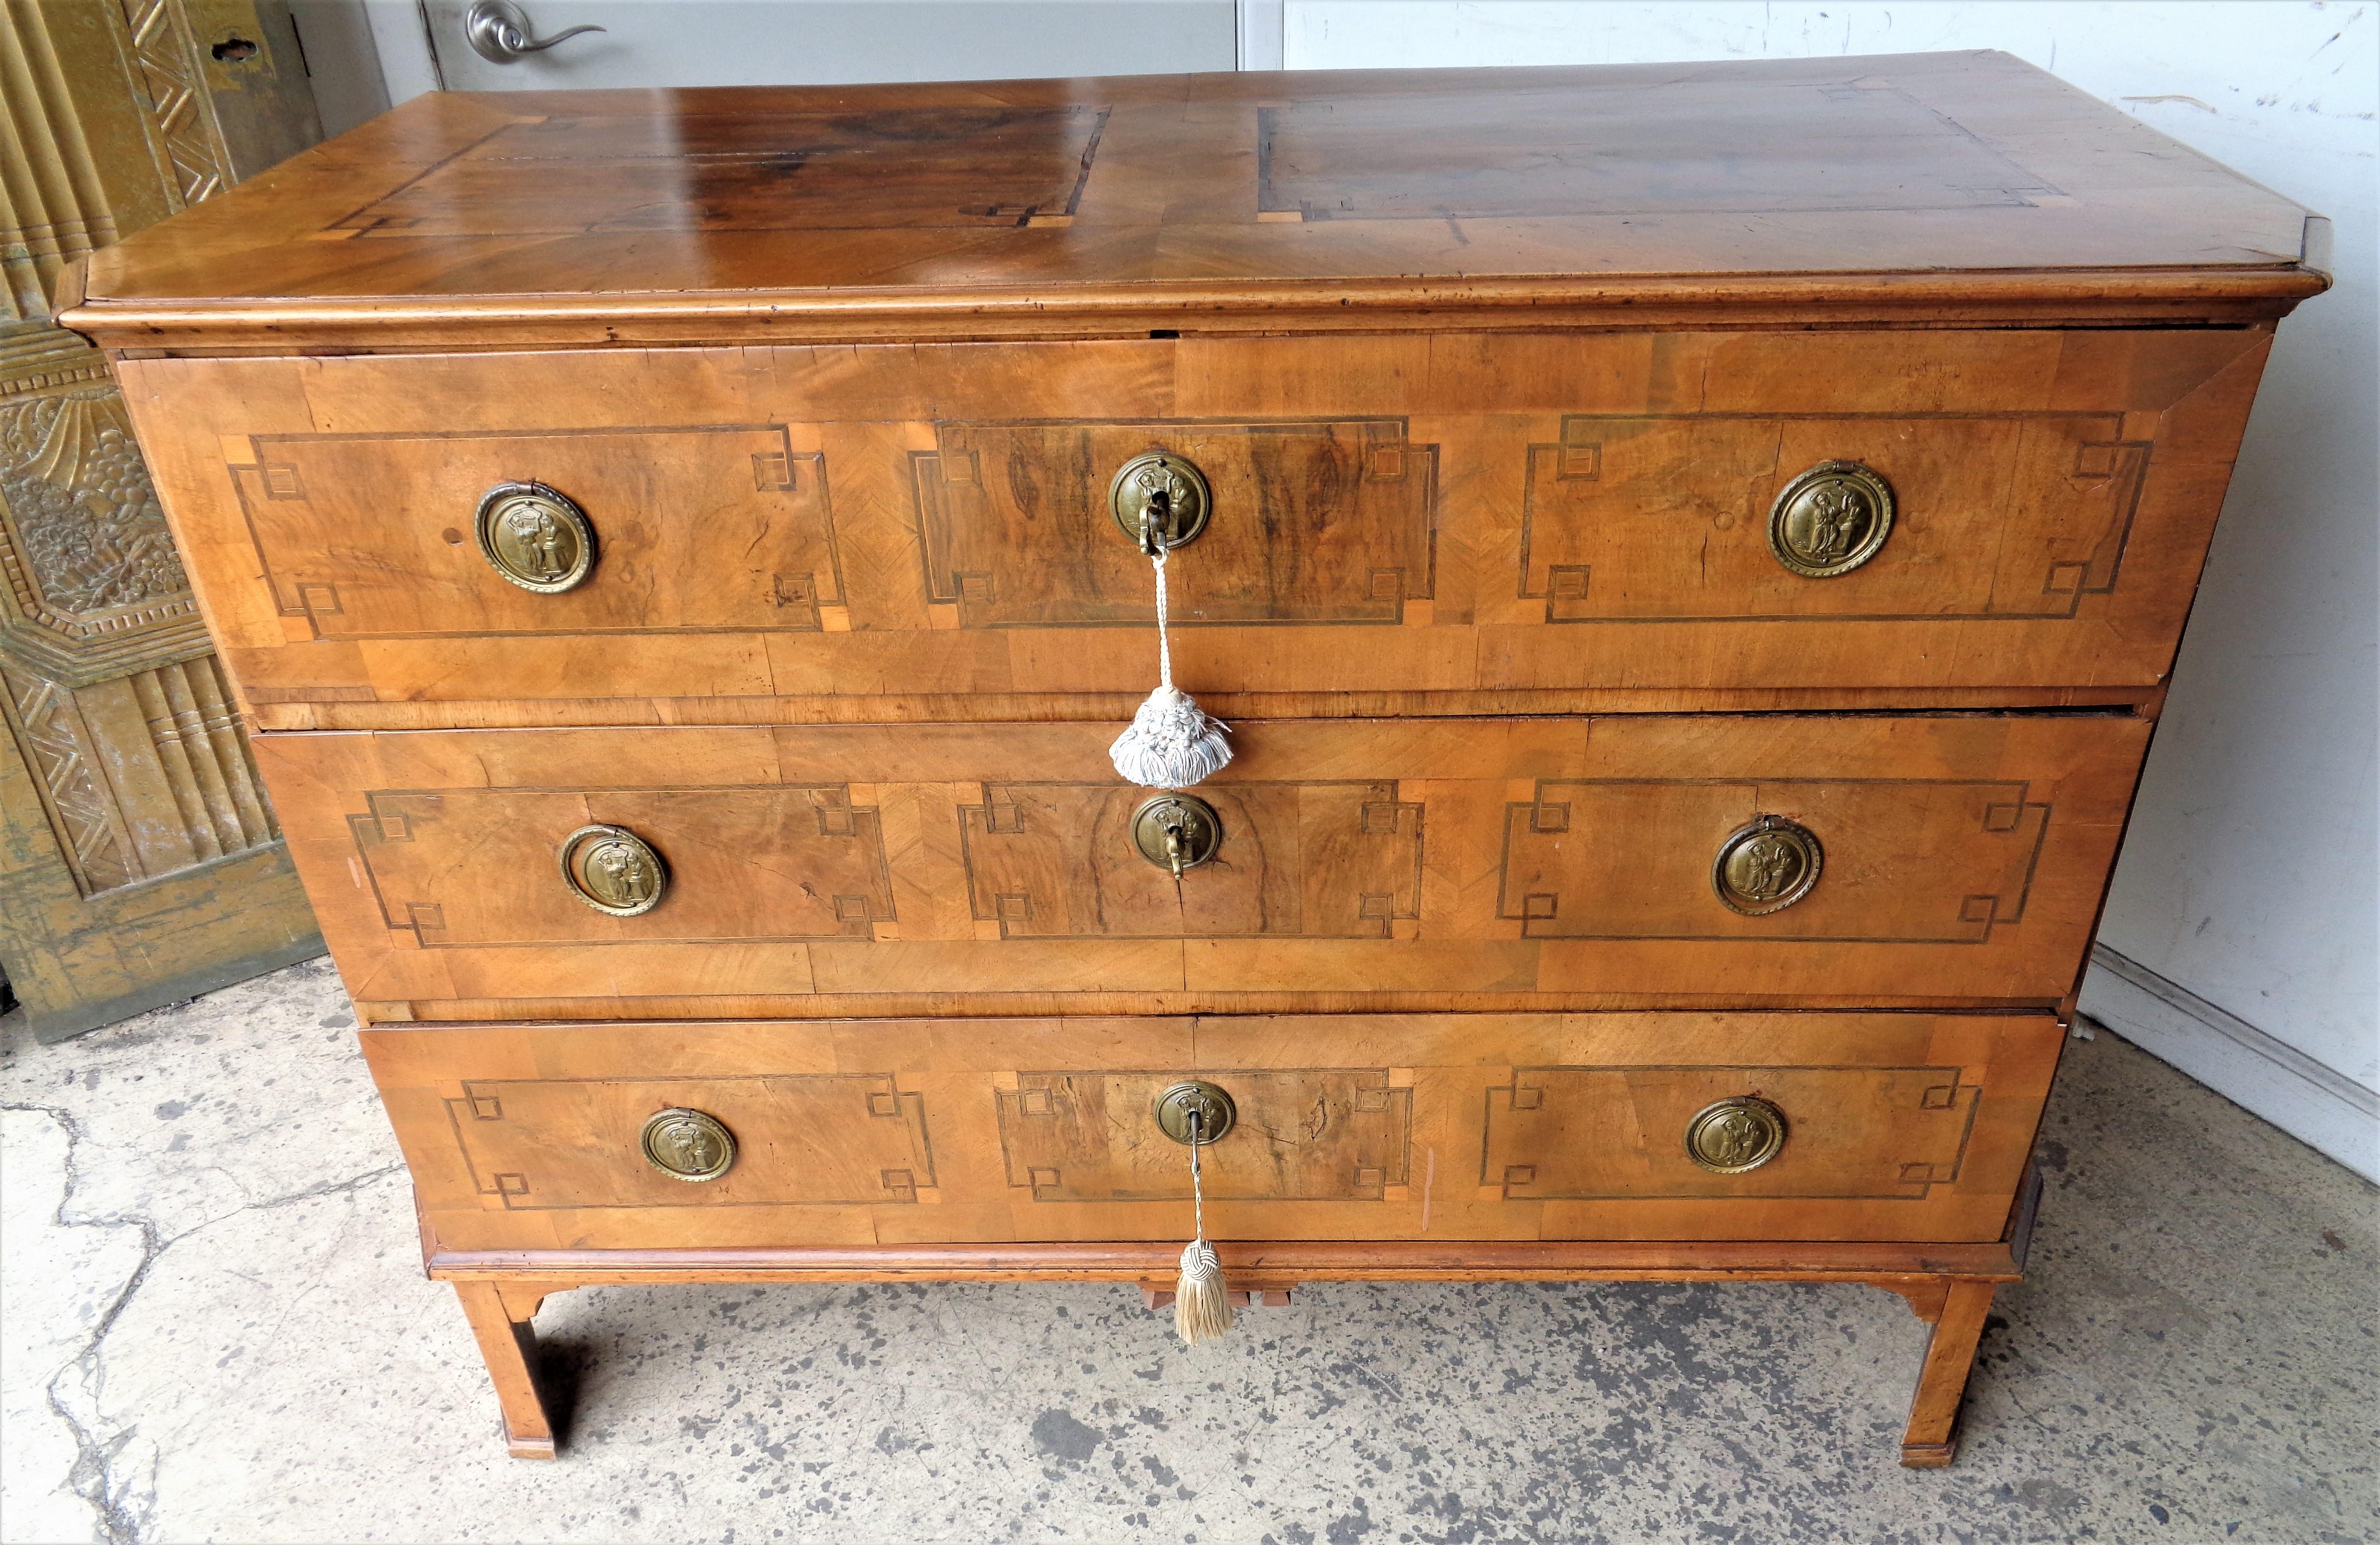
(1176, 832)
(1160, 501)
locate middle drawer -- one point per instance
(1710, 859)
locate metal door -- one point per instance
(500, 45)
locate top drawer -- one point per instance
(1453, 516)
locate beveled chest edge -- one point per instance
(2162, 297)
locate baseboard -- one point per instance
(2315, 1104)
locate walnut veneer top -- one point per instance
(1913, 187)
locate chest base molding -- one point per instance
(1948, 1286)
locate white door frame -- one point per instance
(1263, 34)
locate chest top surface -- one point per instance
(1294, 199)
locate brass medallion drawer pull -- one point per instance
(1160, 501)
(613, 870)
(1732, 1136)
(1767, 865)
(1176, 832)
(687, 1145)
(535, 537)
(1830, 520)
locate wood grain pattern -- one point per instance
(1783, 189)
(1445, 862)
(1449, 516)
(1905, 1126)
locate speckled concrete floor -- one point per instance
(216, 1328)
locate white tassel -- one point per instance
(1202, 1305)
(1202, 1310)
(1173, 742)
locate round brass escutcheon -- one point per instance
(1732, 1136)
(1767, 865)
(613, 869)
(1830, 520)
(687, 1145)
(1176, 832)
(1196, 1095)
(535, 537)
(1159, 500)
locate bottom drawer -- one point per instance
(1893, 1126)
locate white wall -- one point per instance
(2248, 880)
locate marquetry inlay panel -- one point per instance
(1324, 859)
(558, 1144)
(1009, 166)
(1939, 862)
(1569, 1134)
(2013, 516)
(1314, 523)
(786, 863)
(1303, 1135)
(1562, 150)
(693, 529)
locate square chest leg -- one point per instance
(1958, 1319)
(509, 1345)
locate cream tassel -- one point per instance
(1173, 742)
(1202, 1306)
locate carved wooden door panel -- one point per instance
(140, 859)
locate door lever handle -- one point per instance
(498, 32)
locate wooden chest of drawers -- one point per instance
(1692, 558)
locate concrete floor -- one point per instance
(216, 1327)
